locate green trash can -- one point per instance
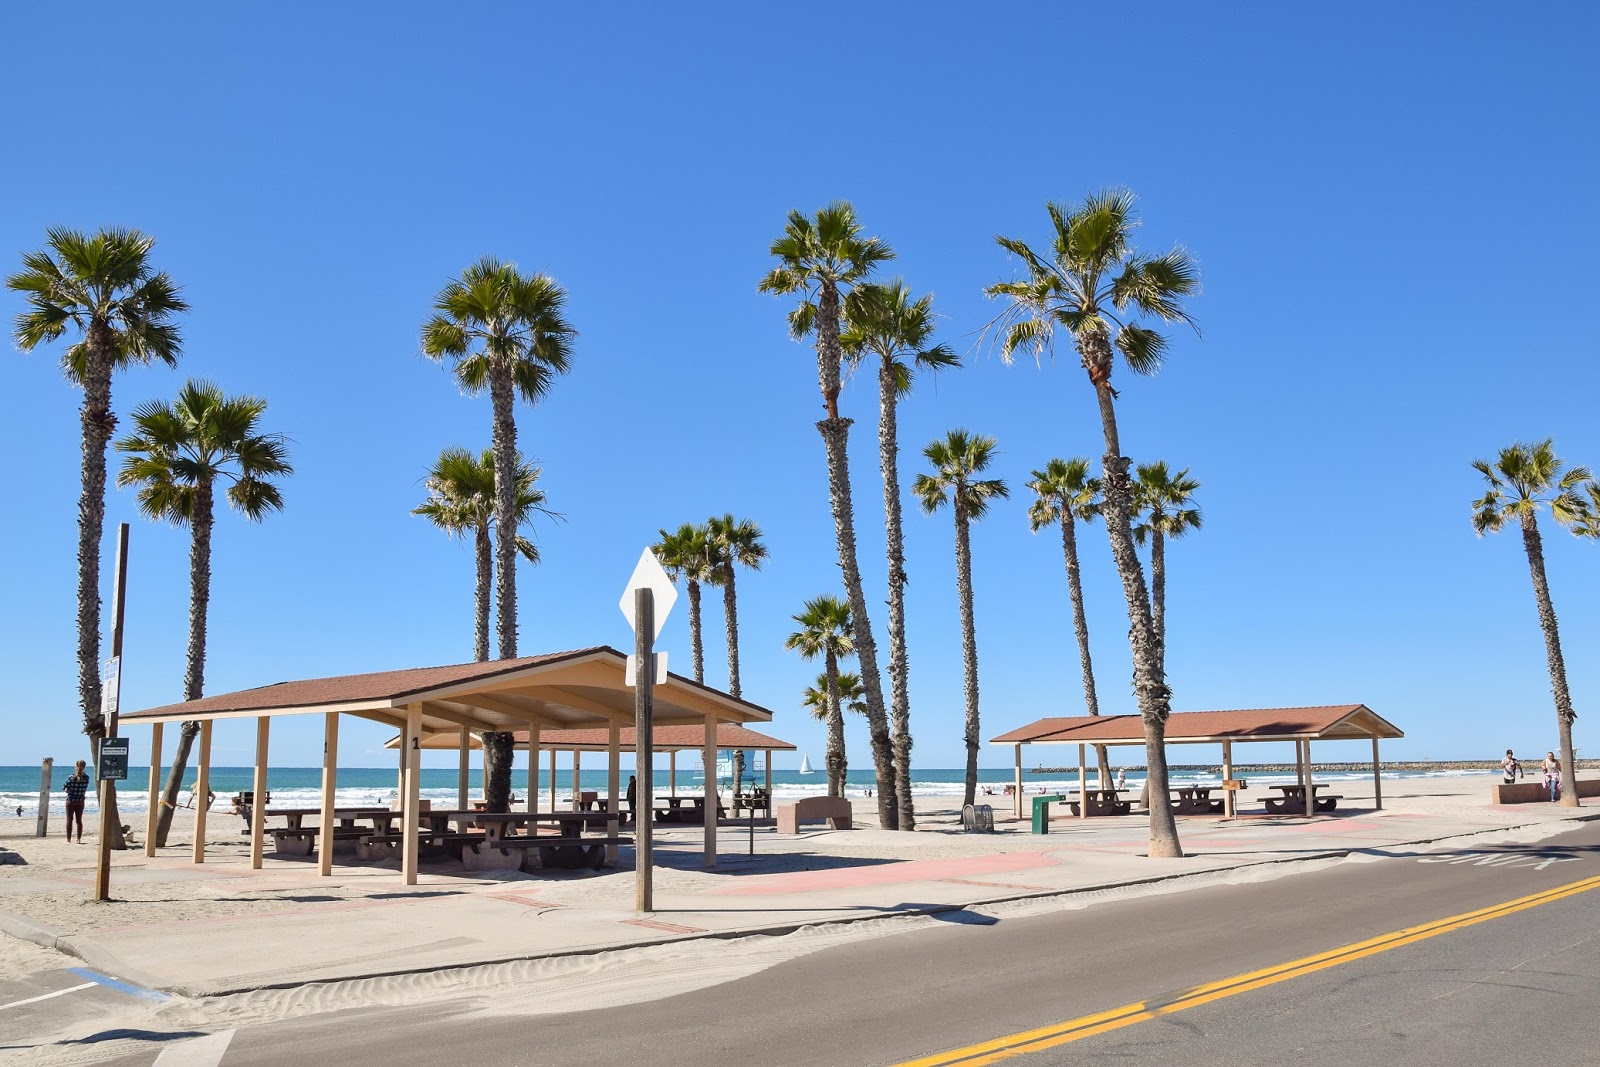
(1041, 811)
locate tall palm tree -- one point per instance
(103, 289)
(826, 630)
(1523, 479)
(851, 699)
(506, 333)
(884, 321)
(686, 554)
(732, 543)
(1161, 503)
(822, 259)
(177, 457)
(1093, 285)
(461, 502)
(1065, 493)
(958, 460)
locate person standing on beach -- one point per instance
(1511, 768)
(76, 787)
(1552, 775)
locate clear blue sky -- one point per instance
(1393, 209)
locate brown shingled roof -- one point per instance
(1329, 722)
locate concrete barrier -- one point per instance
(834, 809)
(1532, 792)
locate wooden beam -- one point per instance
(1377, 777)
(709, 755)
(258, 794)
(613, 797)
(202, 792)
(1016, 786)
(153, 813)
(577, 701)
(533, 769)
(457, 718)
(505, 707)
(463, 769)
(330, 765)
(410, 820)
(388, 718)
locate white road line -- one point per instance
(47, 996)
(198, 1052)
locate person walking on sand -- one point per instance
(76, 787)
(633, 799)
(1511, 768)
(1552, 775)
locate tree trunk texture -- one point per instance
(738, 770)
(1552, 650)
(835, 435)
(174, 783)
(498, 749)
(1080, 625)
(829, 354)
(899, 662)
(97, 424)
(837, 768)
(1149, 673)
(730, 616)
(695, 645)
(194, 679)
(505, 509)
(1158, 591)
(969, 642)
(483, 551)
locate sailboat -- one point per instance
(805, 764)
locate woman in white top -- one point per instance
(1552, 775)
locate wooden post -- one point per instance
(1016, 785)
(410, 818)
(41, 822)
(1377, 779)
(154, 805)
(644, 742)
(533, 768)
(108, 710)
(464, 771)
(258, 794)
(552, 780)
(1083, 778)
(330, 774)
(672, 772)
(202, 791)
(709, 754)
(577, 779)
(1311, 804)
(1230, 806)
(613, 773)
(769, 781)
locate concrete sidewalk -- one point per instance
(223, 928)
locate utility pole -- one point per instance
(644, 814)
(110, 694)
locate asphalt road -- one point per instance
(1496, 991)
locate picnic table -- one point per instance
(688, 809)
(1195, 800)
(1100, 801)
(297, 839)
(1293, 800)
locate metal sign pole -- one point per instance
(644, 794)
(109, 699)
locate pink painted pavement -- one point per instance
(887, 874)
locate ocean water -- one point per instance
(301, 787)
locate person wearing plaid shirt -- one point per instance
(77, 787)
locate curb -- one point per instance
(28, 930)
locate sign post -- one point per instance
(110, 695)
(645, 603)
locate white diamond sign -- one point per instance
(649, 575)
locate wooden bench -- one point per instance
(836, 810)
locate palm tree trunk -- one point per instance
(498, 749)
(730, 616)
(1534, 546)
(899, 665)
(835, 439)
(505, 509)
(484, 552)
(194, 678)
(836, 756)
(1080, 625)
(694, 632)
(1158, 590)
(969, 642)
(1149, 672)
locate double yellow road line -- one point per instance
(1004, 1048)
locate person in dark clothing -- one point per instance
(77, 788)
(633, 798)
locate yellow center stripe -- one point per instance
(1004, 1048)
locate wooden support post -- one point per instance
(330, 774)
(709, 754)
(533, 768)
(202, 792)
(1083, 779)
(577, 780)
(672, 773)
(1377, 778)
(644, 744)
(1230, 807)
(769, 781)
(411, 809)
(1016, 785)
(153, 814)
(552, 780)
(613, 796)
(1311, 803)
(41, 822)
(464, 771)
(258, 794)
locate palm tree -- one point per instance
(177, 456)
(826, 630)
(102, 287)
(1066, 494)
(883, 320)
(1161, 501)
(822, 259)
(1093, 285)
(685, 554)
(815, 700)
(957, 461)
(1522, 480)
(505, 333)
(461, 502)
(732, 543)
